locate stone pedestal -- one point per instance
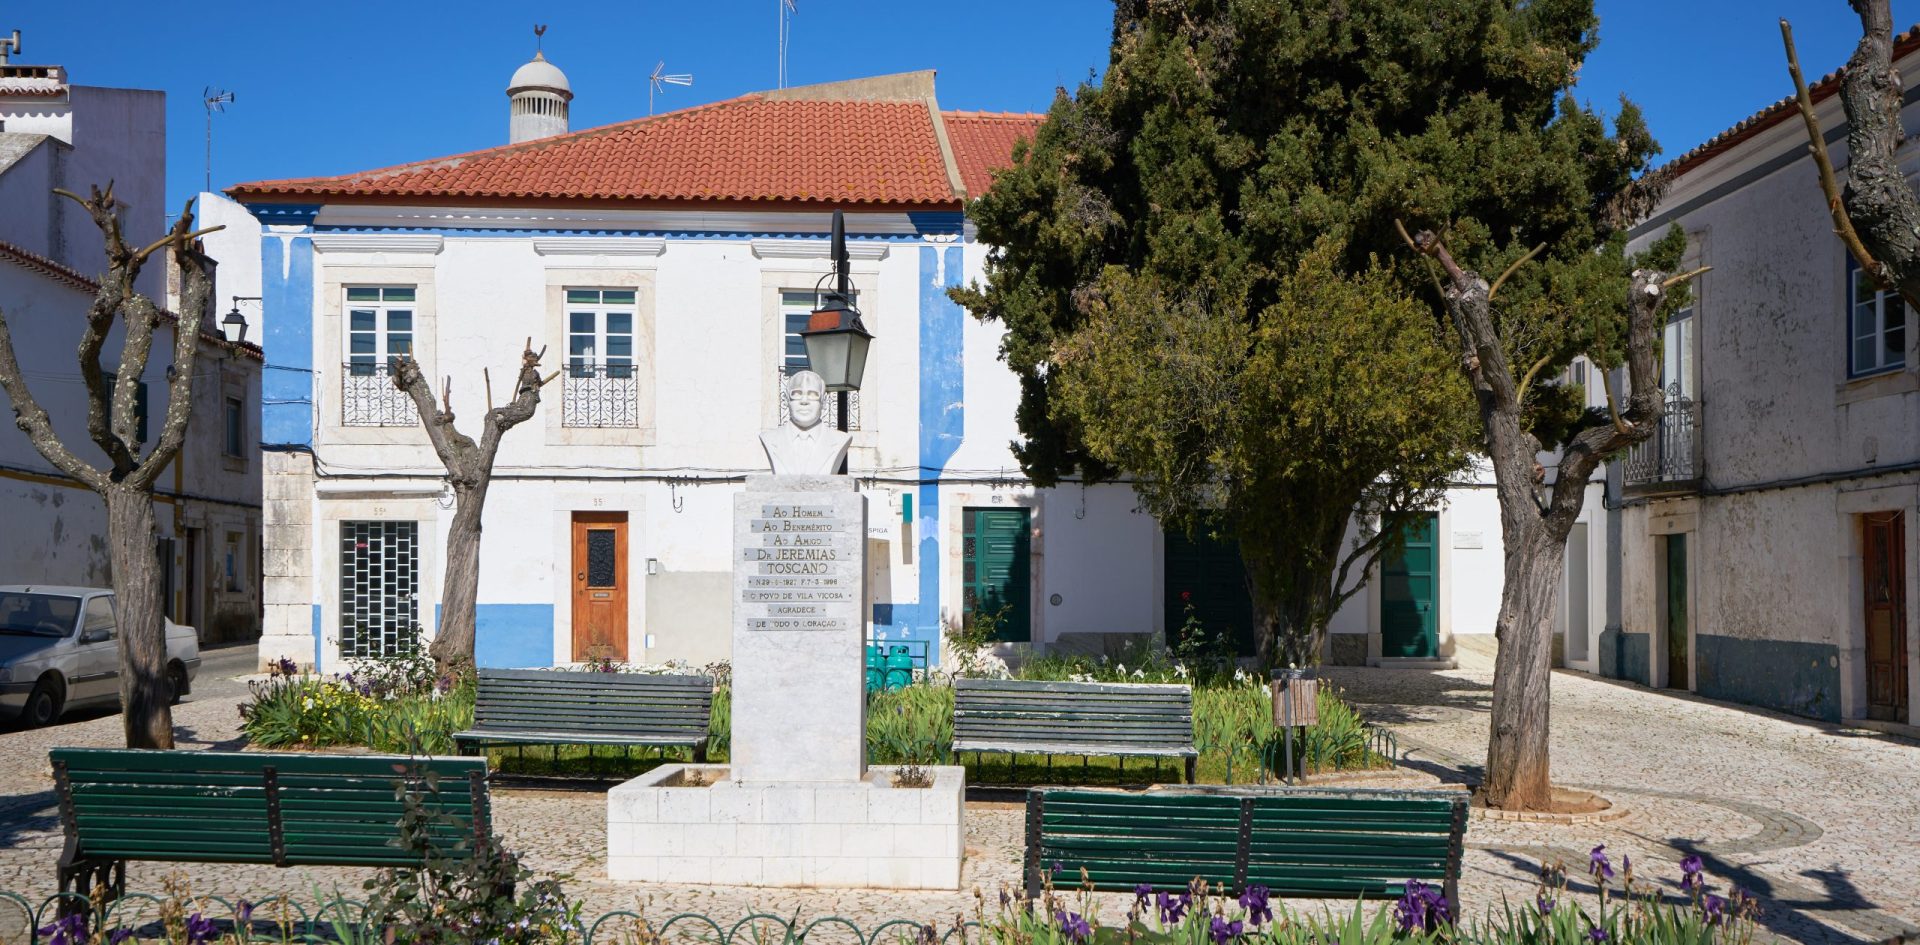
(796, 806)
(799, 630)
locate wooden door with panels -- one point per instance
(600, 578)
(1884, 576)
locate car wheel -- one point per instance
(43, 705)
(176, 683)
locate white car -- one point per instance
(59, 650)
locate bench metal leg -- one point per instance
(700, 753)
(1193, 765)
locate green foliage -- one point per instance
(910, 726)
(386, 705)
(480, 895)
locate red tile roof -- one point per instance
(983, 143)
(747, 149)
(1827, 87)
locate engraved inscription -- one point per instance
(803, 564)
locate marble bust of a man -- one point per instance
(803, 446)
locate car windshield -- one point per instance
(46, 615)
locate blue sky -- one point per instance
(352, 85)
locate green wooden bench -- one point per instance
(1304, 843)
(563, 707)
(266, 808)
(1065, 718)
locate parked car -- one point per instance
(59, 650)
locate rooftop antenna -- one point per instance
(216, 100)
(658, 81)
(787, 8)
(9, 48)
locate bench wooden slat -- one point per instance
(1315, 842)
(282, 809)
(1016, 716)
(571, 707)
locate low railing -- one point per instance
(600, 395)
(369, 399)
(830, 404)
(1672, 454)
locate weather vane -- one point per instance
(539, 30)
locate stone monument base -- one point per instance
(693, 824)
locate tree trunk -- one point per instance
(146, 696)
(1518, 774)
(453, 643)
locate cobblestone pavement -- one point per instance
(1822, 822)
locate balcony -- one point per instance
(369, 399)
(1669, 461)
(831, 403)
(595, 394)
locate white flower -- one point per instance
(1139, 674)
(1123, 669)
(1180, 670)
(1239, 675)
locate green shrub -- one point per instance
(388, 706)
(911, 726)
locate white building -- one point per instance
(666, 264)
(54, 134)
(1767, 535)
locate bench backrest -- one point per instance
(538, 700)
(1299, 843)
(259, 807)
(1142, 717)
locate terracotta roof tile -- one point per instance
(1828, 86)
(983, 143)
(743, 149)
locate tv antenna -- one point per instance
(787, 8)
(9, 47)
(216, 100)
(659, 80)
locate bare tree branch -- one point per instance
(32, 419)
(1497, 283)
(1880, 205)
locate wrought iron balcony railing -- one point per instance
(596, 394)
(369, 399)
(1672, 454)
(831, 404)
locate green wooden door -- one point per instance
(997, 570)
(1207, 574)
(1676, 611)
(1409, 593)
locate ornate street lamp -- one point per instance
(234, 325)
(836, 341)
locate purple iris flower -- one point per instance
(929, 934)
(1224, 931)
(1690, 872)
(1173, 908)
(1422, 907)
(200, 929)
(1056, 868)
(1596, 935)
(1076, 928)
(1715, 909)
(1141, 893)
(69, 930)
(1597, 864)
(1544, 903)
(243, 913)
(1255, 900)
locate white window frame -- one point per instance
(383, 310)
(800, 303)
(1678, 342)
(601, 336)
(1875, 312)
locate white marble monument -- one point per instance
(796, 805)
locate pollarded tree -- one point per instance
(470, 473)
(126, 485)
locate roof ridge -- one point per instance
(1004, 116)
(498, 150)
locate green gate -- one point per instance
(1409, 588)
(997, 570)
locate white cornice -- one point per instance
(669, 221)
(599, 245)
(814, 249)
(428, 243)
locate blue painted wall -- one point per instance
(1625, 656)
(1791, 676)
(942, 426)
(286, 386)
(317, 611)
(513, 636)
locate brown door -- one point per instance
(599, 585)
(1884, 570)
